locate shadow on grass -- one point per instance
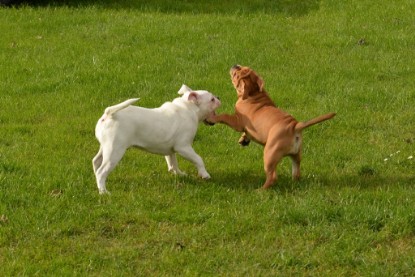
(287, 7)
(252, 180)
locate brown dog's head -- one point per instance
(246, 81)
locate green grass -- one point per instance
(352, 214)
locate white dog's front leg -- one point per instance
(189, 154)
(172, 164)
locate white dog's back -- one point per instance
(155, 129)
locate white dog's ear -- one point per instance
(184, 89)
(193, 97)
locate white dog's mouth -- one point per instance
(206, 121)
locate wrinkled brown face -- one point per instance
(246, 81)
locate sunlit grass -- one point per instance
(352, 212)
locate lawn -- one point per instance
(351, 214)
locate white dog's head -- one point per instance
(204, 100)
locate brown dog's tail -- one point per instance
(302, 125)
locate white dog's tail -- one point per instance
(113, 109)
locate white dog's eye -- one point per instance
(213, 99)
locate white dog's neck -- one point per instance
(189, 105)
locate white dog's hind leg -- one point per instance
(97, 160)
(111, 157)
(189, 154)
(172, 164)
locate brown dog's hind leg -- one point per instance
(272, 156)
(296, 159)
(271, 178)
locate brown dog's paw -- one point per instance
(244, 141)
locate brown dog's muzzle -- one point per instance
(238, 73)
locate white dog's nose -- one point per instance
(218, 101)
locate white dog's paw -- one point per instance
(181, 173)
(204, 176)
(104, 191)
(177, 172)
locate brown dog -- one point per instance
(257, 116)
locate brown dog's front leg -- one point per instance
(244, 140)
(232, 121)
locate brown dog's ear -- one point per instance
(244, 90)
(243, 86)
(244, 72)
(246, 84)
(260, 83)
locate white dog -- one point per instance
(166, 130)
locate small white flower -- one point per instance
(386, 159)
(410, 157)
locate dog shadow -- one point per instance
(253, 180)
(249, 180)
